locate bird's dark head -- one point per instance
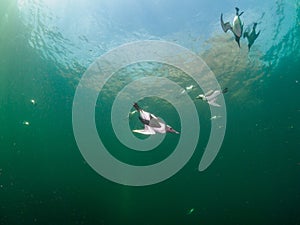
(136, 106)
(171, 130)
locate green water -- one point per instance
(44, 179)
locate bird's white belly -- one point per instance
(161, 129)
(213, 95)
(237, 26)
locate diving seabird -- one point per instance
(236, 28)
(152, 124)
(252, 36)
(211, 96)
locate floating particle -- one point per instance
(190, 211)
(133, 112)
(130, 114)
(32, 101)
(189, 87)
(26, 123)
(215, 117)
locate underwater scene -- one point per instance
(149, 112)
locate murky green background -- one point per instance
(46, 46)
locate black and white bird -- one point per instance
(211, 96)
(236, 28)
(152, 124)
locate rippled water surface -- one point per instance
(46, 47)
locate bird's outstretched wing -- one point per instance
(213, 102)
(246, 35)
(209, 92)
(213, 95)
(147, 130)
(225, 26)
